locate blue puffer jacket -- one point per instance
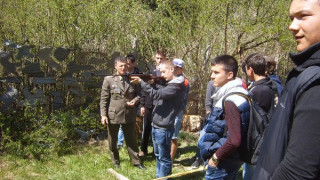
(215, 135)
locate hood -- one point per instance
(304, 59)
(177, 80)
(308, 57)
(231, 86)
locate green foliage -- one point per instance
(31, 133)
(195, 30)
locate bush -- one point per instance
(31, 133)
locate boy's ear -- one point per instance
(250, 70)
(173, 69)
(230, 75)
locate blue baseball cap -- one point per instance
(178, 62)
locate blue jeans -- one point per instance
(120, 137)
(161, 139)
(247, 171)
(218, 173)
(177, 125)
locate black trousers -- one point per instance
(146, 130)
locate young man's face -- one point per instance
(179, 70)
(249, 72)
(159, 58)
(130, 64)
(166, 73)
(219, 76)
(121, 67)
(305, 26)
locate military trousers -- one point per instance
(130, 138)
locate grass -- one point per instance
(91, 160)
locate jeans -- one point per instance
(177, 125)
(161, 139)
(217, 173)
(120, 137)
(202, 132)
(247, 171)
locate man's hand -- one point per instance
(130, 103)
(142, 111)
(151, 81)
(212, 163)
(135, 80)
(104, 120)
(208, 112)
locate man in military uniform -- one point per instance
(117, 106)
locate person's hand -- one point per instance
(142, 111)
(208, 112)
(130, 103)
(213, 163)
(151, 81)
(104, 120)
(135, 80)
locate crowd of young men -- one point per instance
(290, 148)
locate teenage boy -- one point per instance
(262, 93)
(291, 145)
(179, 67)
(169, 99)
(222, 139)
(147, 103)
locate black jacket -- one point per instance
(262, 93)
(145, 99)
(168, 102)
(291, 145)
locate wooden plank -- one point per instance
(24, 51)
(11, 80)
(43, 80)
(61, 53)
(117, 175)
(70, 82)
(45, 54)
(96, 61)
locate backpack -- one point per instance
(253, 133)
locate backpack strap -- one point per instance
(275, 98)
(223, 105)
(307, 79)
(235, 93)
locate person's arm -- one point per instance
(104, 101)
(302, 157)
(233, 120)
(165, 92)
(209, 100)
(186, 94)
(137, 92)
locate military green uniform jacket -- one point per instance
(116, 91)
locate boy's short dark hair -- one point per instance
(131, 57)
(257, 62)
(162, 52)
(271, 65)
(229, 62)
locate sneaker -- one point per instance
(140, 166)
(116, 165)
(196, 164)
